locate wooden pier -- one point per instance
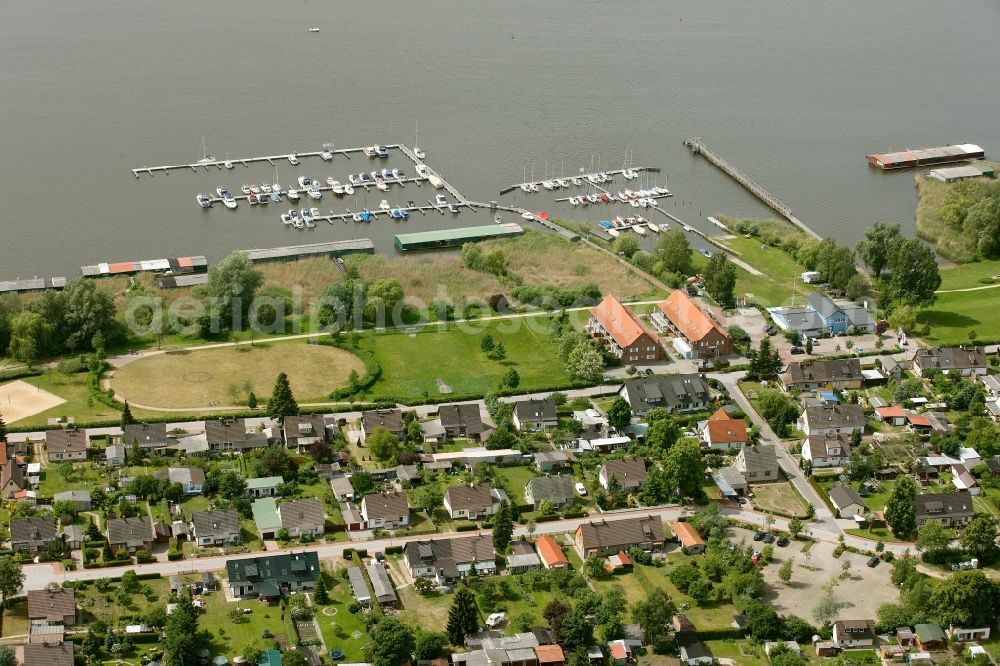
(615, 198)
(755, 188)
(220, 165)
(582, 176)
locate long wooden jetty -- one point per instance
(699, 148)
(583, 177)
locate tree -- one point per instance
(503, 526)
(430, 644)
(763, 622)
(391, 643)
(232, 485)
(576, 631)
(499, 352)
(903, 318)
(653, 614)
(11, 578)
(546, 507)
(593, 566)
(913, 272)
(64, 510)
(857, 287)
(673, 253)
(785, 572)
(510, 379)
(487, 343)
(3, 428)
(252, 399)
(625, 245)
(383, 444)
(362, 483)
(979, 538)
(795, 526)
(292, 657)
(231, 286)
(662, 434)
(282, 402)
(874, 248)
(765, 363)
(381, 298)
(836, 264)
(501, 438)
(777, 409)
(967, 599)
(7, 656)
(429, 499)
(585, 363)
(827, 607)
(320, 595)
(554, 613)
(619, 413)
(463, 616)
(900, 511)
(89, 315)
(127, 418)
(180, 641)
(720, 279)
(31, 337)
(685, 467)
(275, 461)
(933, 537)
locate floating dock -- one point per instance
(583, 177)
(329, 249)
(177, 266)
(455, 237)
(699, 148)
(177, 281)
(906, 159)
(219, 165)
(22, 285)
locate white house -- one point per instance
(826, 450)
(854, 633)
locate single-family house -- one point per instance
(622, 333)
(847, 502)
(66, 445)
(723, 433)
(629, 472)
(463, 421)
(52, 606)
(833, 419)
(229, 435)
(303, 430)
(472, 502)
(553, 461)
(217, 527)
(114, 455)
(388, 511)
(192, 479)
(675, 393)
(702, 336)
(48, 654)
(557, 489)
(385, 595)
(838, 373)
(854, 633)
(826, 450)
(948, 509)
(696, 653)
(149, 437)
(471, 456)
(758, 464)
(32, 535)
(962, 479)
(930, 637)
(390, 419)
(964, 360)
(342, 488)
(266, 486)
(79, 498)
(73, 536)
(969, 456)
(271, 576)
(535, 415)
(522, 558)
(550, 553)
(821, 315)
(12, 481)
(623, 651)
(302, 518)
(603, 538)
(991, 385)
(131, 534)
(448, 560)
(688, 536)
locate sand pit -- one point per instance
(19, 400)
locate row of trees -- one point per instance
(972, 209)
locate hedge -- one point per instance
(466, 528)
(109, 563)
(373, 370)
(148, 576)
(19, 373)
(393, 550)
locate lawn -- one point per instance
(447, 358)
(781, 272)
(880, 533)
(189, 380)
(778, 497)
(339, 627)
(98, 605)
(15, 618)
(955, 314)
(516, 480)
(966, 276)
(73, 389)
(84, 476)
(229, 638)
(740, 652)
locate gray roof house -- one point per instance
(385, 595)
(676, 393)
(965, 360)
(840, 373)
(472, 501)
(63, 445)
(833, 419)
(302, 517)
(552, 461)
(218, 527)
(149, 436)
(463, 421)
(272, 575)
(758, 463)
(192, 479)
(535, 415)
(48, 654)
(79, 498)
(556, 489)
(448, 560)
(342, 488)
(359, 588)
(114, 455)
(388, 511)
(32, 535)
(390, 419)
(226, 435)
(630, 473)
(303, 429)
(949, 509)
(130, 534)
(609, 537)
(52, 606)
(847, 501)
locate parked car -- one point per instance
(795, 351)
(782, 541)
(759, 536)
(580, 489)
(741, 500)
(873, 562)
(649, 372)
(768, 538)
(380, 557)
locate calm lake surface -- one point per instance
(795, 94)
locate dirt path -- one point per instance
(955, 291)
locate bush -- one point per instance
(143, 556)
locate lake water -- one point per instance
(795, 94)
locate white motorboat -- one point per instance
(293, 195)
(639, 230)
(593, 198)
(290, 216)
(527, 216)
(348, 189)
(306, 216)
(245, 189)
(356, 217)
(313, 29)
(337, 187)
(562, 182)
(613, 233)
(549, 185)
(330, 181)
(204, 200)
(380, 184)
(369, 151)
(576, 181)
(298, 223)
(228, 164)
(419, 153)
(574, 201)
(293, 159)
(314, 193)
(353, 179)
(633, 203)
(265, 188)
(534, 187)
(525, 187)
(255, 188)
(305, 182)
(326, 154)
(687, 228)
(384, 205)
(655, 228)
(221, 190)
(398, 174)
(314, 212)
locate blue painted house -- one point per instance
(822, 316)
(834, 319)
